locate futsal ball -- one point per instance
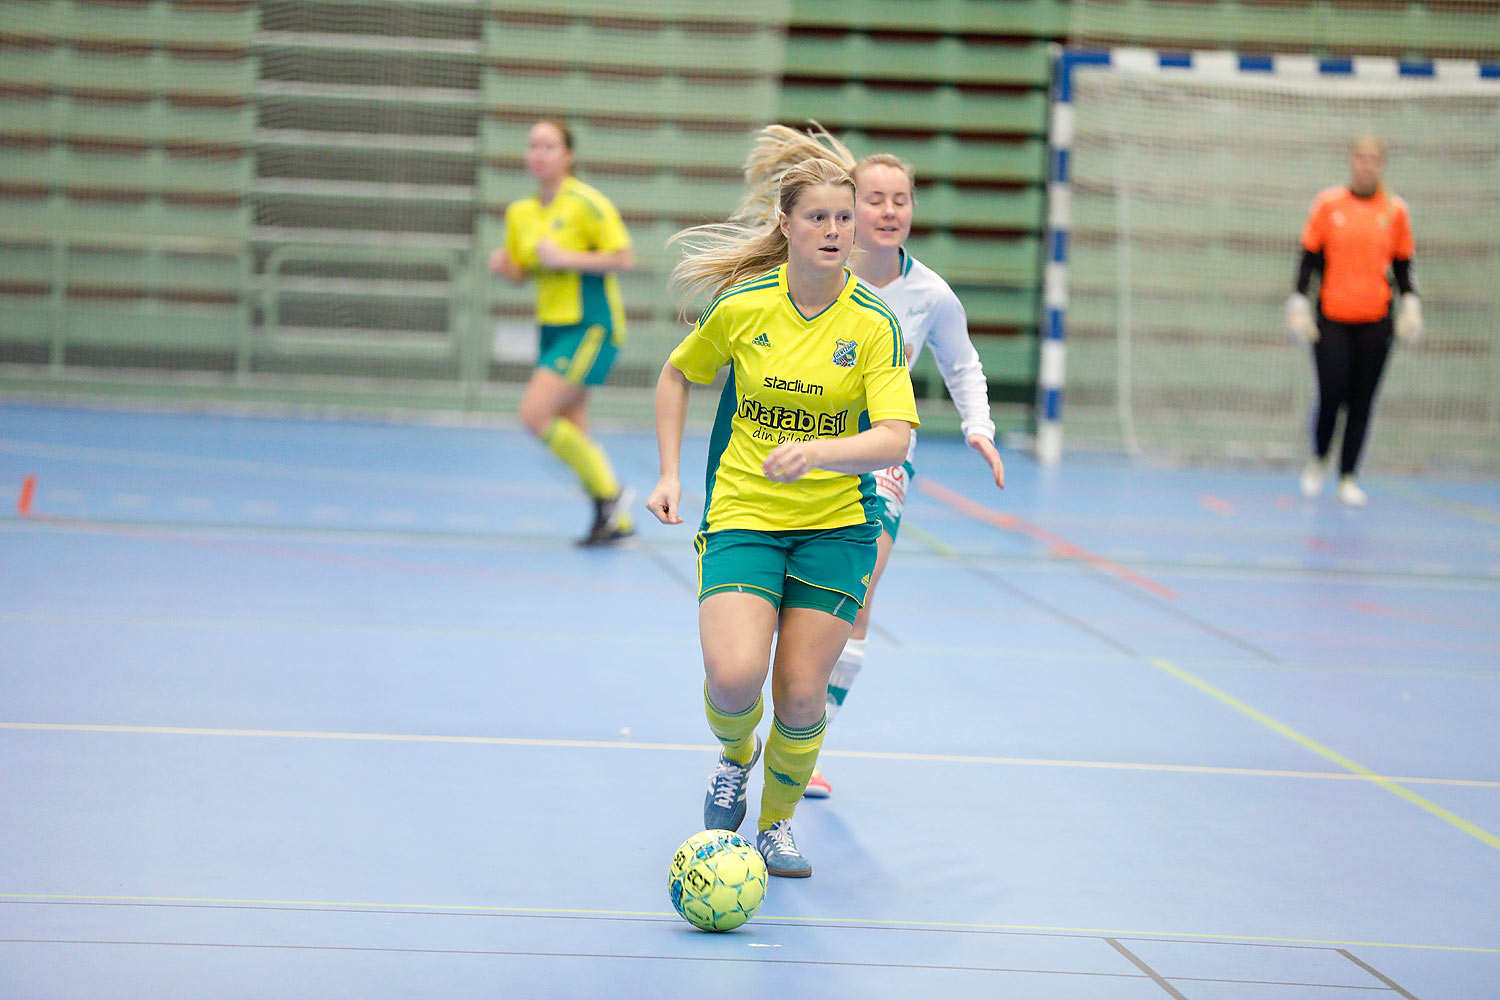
(717, 880)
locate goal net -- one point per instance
(1191, 177)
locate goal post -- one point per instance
(1179, 185)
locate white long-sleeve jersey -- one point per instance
(931, 314)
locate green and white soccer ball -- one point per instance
(717, 880)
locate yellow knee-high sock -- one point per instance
(791, 755)
(736, 732)
(564, 439)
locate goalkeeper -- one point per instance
(1356, 235)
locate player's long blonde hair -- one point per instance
(718, 255)
(779, 147)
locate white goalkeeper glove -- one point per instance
(1409, 318)
(1299, 319)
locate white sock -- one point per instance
(844, 671)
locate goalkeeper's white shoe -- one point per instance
(1312, 478)
(1349, 492)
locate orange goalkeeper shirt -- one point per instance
(1358, 238)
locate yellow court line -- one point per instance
(1389, 784)
(953, 925)
(932, 541)
(1478, 512)
(627, 744)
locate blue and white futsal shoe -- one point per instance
(724, 805)
(780, 851)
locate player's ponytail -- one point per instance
(719, 255)
(777, 149)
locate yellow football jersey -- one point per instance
(577, 218)
(792, 378)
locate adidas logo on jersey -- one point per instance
(762, 341)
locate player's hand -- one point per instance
(991, 455)
(502, 264)
(552, 256)
(1409, 319)
(1299, 319)
(663, 501)
(789, 462)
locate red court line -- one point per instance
(1418, 617)
(1217, 505)
(289, 552)
(28, 490)
(1057, 546)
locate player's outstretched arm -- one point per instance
(671, 416)
(555, 258)
(880, 447)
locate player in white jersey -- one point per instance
(930, 315)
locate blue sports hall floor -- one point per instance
(333, 708)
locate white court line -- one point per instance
(1042, 654)
(421, 909)
(555, 744)
(240, 468)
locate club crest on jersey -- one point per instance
(843, 354)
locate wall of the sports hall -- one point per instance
(293, 200)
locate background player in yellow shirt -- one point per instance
(817, 397)
(570, 239)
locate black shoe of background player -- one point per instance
(612, 522)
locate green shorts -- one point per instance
(582, 353)
(828, 569)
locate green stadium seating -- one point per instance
(180, 25)
(1000, 260)
(152, 122)
(660, 193)
(658, 144)
(951, 158)
(155, 72)
(1013, 18)
(772, 12)
(124, 143)
(938, 109)
(193, 139)
(63, 167)
(706, 99)
(151, 216)
(929, 59)
(1323, 26)
(665, 46)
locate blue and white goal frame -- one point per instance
(1051, 376)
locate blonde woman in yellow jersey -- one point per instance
(931, 316)
(570, 239)
(817, 397)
